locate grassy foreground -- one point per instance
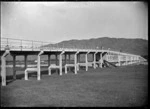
(122, 86)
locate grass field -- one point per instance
(125, 86)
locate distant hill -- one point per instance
(133, 46)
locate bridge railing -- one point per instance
(21, 44)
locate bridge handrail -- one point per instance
(13, 43)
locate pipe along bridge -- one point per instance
(101, 57)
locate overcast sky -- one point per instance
(58, 21)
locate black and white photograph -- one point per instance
(74, 54)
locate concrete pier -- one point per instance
(101, 60)
(95, 60)
(75, 62)
(86, 60)
(119, 60)
(60, 63)
(39, 65)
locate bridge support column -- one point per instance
(86, 60)
(95, 60)
(101, 60)
(25, 66)
(60, 63)
(39, 65)
(75, 62)
(3, 66)
(14, 67)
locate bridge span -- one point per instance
(101, 57)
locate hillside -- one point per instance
(134, 46)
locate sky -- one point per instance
(59, 21)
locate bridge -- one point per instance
(101, 57)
